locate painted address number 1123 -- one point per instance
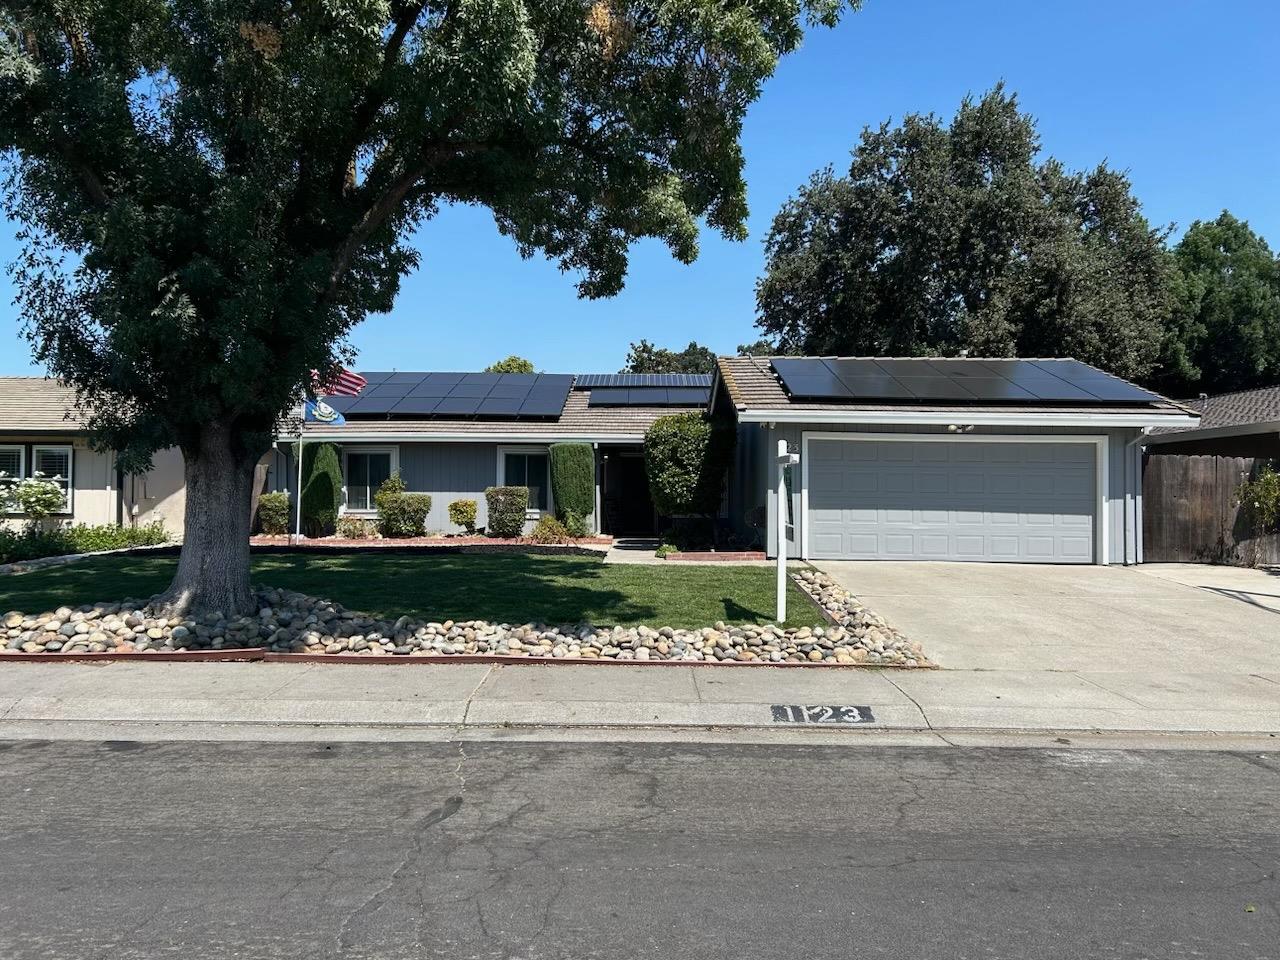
(820, 713)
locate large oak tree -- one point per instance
(214, 192)
(1225, 329)
(952, 236)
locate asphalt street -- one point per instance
(607, 850)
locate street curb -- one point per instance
(262, 655)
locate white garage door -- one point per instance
(1019, 501)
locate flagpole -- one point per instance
(297, 530)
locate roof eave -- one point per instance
(1215, 433)
(1014, 418)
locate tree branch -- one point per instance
(388, 202)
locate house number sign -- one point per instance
(820, 713)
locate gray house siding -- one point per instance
(450, 471)
(1123, 480)
(447, 471)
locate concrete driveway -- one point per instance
(1188, 618)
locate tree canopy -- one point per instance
(943, 237)
(644, 357)
(213, 195)
(511, 364)
(1225, 328)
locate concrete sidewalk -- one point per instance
(38, 696)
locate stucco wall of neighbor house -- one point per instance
(160, 494)
(93, 479)
(1123, 481)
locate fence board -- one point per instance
(1190, 515)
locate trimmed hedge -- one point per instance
(507, 509)
(321, 489)
(462, 513)
(400, 513)
(573, 479)
(686, 457)
(32, 543)
(273, 513)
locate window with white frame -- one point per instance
(12, 461)
(366, 470)
(56, 464)
(529, 467)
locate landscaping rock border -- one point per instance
(289, 622)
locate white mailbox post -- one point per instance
(785, 459)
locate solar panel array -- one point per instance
(955, 381)
(458, 395)
(590, 381)
(650, 397)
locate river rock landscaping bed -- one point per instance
(289, 622)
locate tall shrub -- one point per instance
(321, 489)
(686, 456)
(573, 479)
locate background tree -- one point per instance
(947, 237)
(512, 364)
(644, 357)
(213, 195)
(1225, 329)
(764, 347)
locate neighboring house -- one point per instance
(944, 459)
(1191, 476)
(453, 435)
(41, 432)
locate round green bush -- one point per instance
(401, 514)
(462, 513)
(686, 456)
(273, 513)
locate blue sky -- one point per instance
(1182, 95)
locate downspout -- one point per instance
(119, 495)
(1132, 488)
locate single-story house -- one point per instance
(1034, 461)
(956, 459)
(41, 432)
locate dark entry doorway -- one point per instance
(628, 510)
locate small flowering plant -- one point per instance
(36, 497)
(1260, 496)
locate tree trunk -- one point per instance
(213, 567)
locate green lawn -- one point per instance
(503, 587)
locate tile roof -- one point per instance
(1238, 409)
(579, 418)
(752, 385)
(37, 404)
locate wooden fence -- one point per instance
(1190, 514)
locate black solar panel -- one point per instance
(995, 381)
(649, 397)
(590, 381)
(421, 394)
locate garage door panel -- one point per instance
(961, 500)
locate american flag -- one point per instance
(343, 384)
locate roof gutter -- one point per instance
(986, 419)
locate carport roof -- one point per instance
(756, 393)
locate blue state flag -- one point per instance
(317, 411)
